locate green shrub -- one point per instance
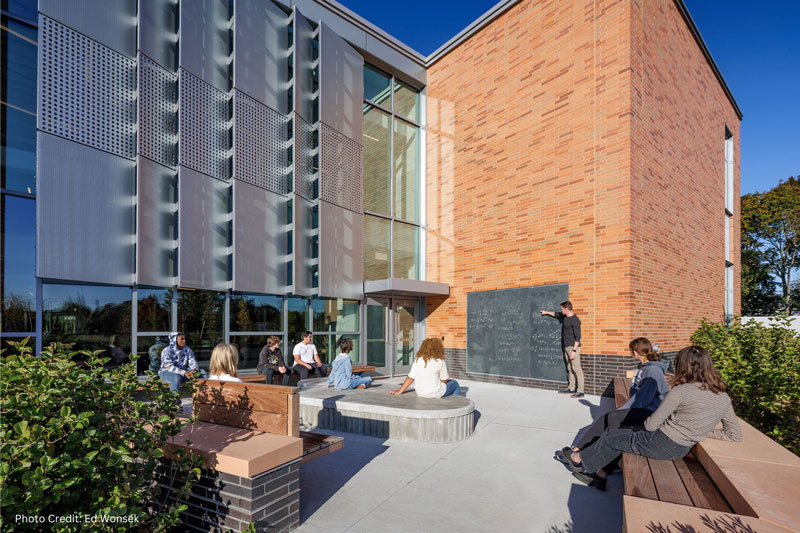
(75, 443)
(761, 366)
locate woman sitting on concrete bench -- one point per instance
(342, 377)
(648, 389)
(689, 413)
(430, 372)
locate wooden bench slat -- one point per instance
(701, 487)
(316, 445)
(669, 485)
(247, 399)
(243, 418)
(247, 383)
(637, 477)
(621, 390)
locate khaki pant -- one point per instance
(574, 372)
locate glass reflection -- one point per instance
(251, 312)
(298, 319)
(149, 351)
(406, 101)
(17, 256)
(405, 251)
(377, 87)
(377, 160)
(406, 171)
(335, 314)
(376, 247)
(91, 317)
(250, 346)
(154, 309)
(201, 318)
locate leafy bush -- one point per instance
(75, 443)
(761, 366)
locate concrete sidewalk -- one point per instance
(503, 478)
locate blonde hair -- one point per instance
(431, 348)
(224, 360)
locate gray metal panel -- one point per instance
(158, 114)
(156, 224)
(260, 144)
(84, 213)
(202, 231)
(303, 67)
(110, 22)
(341, 169)
(87, 92)
(406, 287)
(205, 137)
(341, 85)
(397, 63)
(302, 246)
(204, 46)
(259, 240)
(158, 31)
(342, 27)
(303, 158)
(341, 259)
(261, 52)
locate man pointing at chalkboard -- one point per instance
(571, 344)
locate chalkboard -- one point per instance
(508, 336)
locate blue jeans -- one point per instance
(175, 380)
(356, 381)
(652, 444)
(452, 388)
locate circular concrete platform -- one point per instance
(376, 413)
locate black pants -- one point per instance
(609, 447)
(321, 371)
(272, 371)
(618, 418)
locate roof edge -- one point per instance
(479, 23)
(684, 11)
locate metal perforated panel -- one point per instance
(261, 144)
(156, 223)
(86, 91)
(341, 171)
(110, 22)
(303, 158)
(203, 204)
(84, 213)
(158, 28)
(341, 84)
(341, 258)
(205, 134)
(158, 118)
(259, 240)
(261, 52)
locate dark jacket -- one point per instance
(269, 359)
(648, 387)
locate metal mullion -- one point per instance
(379, 106)
(21, 194)
(254, 333)
(407, 120)
(153, 333)
(10, 334)
(134, 319)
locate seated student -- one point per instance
(306, 358)
(430, 372)
(648, 389)
(689, 413)
(271, 362)
(224, 364)
(342, 377)
(178, 363)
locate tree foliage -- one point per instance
(761, 366)
(75, 441)
(771, 232)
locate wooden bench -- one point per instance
(752, 485)
(258, 378)
(682, 481)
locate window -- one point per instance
(154, 310)
(201, 319)
(92, 317)
(297, 308)
(256, 313)
(376, 87)
(250, 346)
(728, 292)
(728, 171)
(377, 151)
(405, 251)
(339, 316)
(377, 239)
(406, 101)
(406, 171)
(17, 256)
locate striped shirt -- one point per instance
(689, 414)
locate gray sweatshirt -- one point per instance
(648, 387)
(689, 414)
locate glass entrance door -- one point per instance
(405, 319)
(378, 335)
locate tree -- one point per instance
(771, 229)
(759, 296)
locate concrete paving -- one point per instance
(503, 478)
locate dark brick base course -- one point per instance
(224, 502)
(598, 371)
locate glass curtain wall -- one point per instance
(18, 72)
(391, 177)
(255, 318)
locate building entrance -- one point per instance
(391, 327)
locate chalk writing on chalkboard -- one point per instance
(507, 335)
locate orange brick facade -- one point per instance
(581, 142)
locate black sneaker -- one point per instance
(566, 391)
(577, 395)
(593, 480)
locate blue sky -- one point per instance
(755, 45)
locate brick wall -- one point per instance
(224, 502)
(581, 142)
